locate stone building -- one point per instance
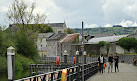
(41, 43)
(66, 44)
(52, 44)
(91, 46)
(58, 27)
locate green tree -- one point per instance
(43, 28)
(25, 45)
(21, 14)
(101, 43)
(1, 40)
(127, 43)
(69, 31)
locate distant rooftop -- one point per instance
(57, 36)
(69, 37)
(107, 39)
(45, 35)
(103, 34)
(56, 24)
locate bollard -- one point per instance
(85, 57)
(11, 64)
(65, 56)
(73, 60)
(77, 57)
(57, 61)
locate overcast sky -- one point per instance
(94, 13)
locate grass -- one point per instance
(21, 63)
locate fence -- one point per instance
(44, 68)
(73, 74)
(69, 59)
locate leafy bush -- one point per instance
(26, 45)
(22, 62)
(3, 64)
(69, 31)
(8, 39)
(127, 43)
(101, 43)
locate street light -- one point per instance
(82, 54)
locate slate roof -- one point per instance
(103, 34)
(69, 37)
(56, 24)
(56, 36)
(107, 39)
(45, 35)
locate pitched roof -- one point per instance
(56, 24)
(45, 35)
(57, 36)
(107, 39)
(103, 34)
(69, 37)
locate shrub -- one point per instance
(127, 43)
(22, 62)
(101, 43)
(26, 45)
(3, 64)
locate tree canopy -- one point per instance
(22, 15)
(101, 43)
(69, 31)
(127, 42)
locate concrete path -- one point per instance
(126, 72)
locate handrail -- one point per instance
(73, 73)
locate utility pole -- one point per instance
(82, 54)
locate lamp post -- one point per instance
(82, 53)
(85, 57)
(11, 64)
(77, 57)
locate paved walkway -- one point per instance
(127, 73)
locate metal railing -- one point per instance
(74, 73)
(44, 68)
(69, 59)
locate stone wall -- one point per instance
(127, 58)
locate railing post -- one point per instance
(52, 76)
(68, 70)
(11, 64)
(30, 70)
(65, 56)
(77, 57)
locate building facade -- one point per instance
(53, 44)
(58, 27)
(66, 44)
(41, 43)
